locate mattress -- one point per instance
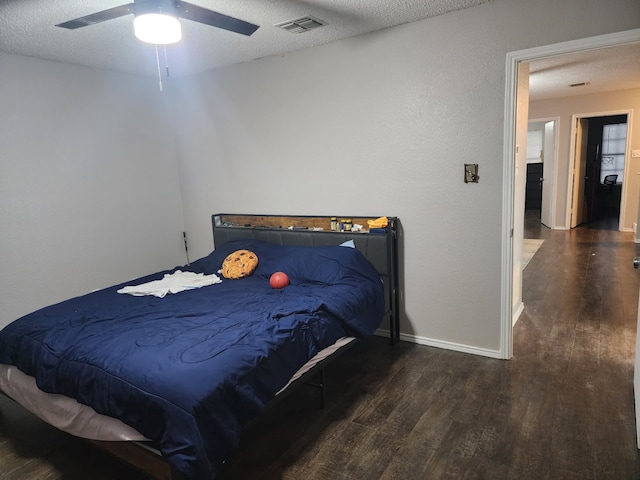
(63, 412)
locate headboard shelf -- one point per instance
(309, 222)
(379, 246)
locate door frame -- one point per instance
(625, 172)
(550, 178)
(509, 148)
(578, 163)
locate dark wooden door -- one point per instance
(597, 198)
(533, 192)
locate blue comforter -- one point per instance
(190, 370)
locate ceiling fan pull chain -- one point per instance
(166, 62)
(159, 71)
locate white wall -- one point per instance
(89, 191)
(594, 104)
(382, 124)
(535, 142)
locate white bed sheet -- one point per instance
(61, 411)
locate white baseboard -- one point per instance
(430, 342)
(516, 314)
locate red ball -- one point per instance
(279, 280)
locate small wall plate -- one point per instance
(471, 173)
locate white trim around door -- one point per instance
(513, 59)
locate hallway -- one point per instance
(577, 337)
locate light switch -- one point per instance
(471, 173)
(635, 153)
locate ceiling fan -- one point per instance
(161, 16)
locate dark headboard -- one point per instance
(381, 248)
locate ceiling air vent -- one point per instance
(302, 24)
(581, 84)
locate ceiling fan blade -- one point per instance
(98, 17)
(215, 19)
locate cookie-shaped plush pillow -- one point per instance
(239, 264)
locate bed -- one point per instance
(183, 373)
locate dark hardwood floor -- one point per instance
(562, 408)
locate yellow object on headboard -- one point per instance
(381, 222)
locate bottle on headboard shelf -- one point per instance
(334, 224)
(347, 224)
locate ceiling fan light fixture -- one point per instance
(158, 28)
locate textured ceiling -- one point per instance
(27, 27)
(605, 69)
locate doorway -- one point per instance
(514, 59)
(599, 169)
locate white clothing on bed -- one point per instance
(172, 283)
